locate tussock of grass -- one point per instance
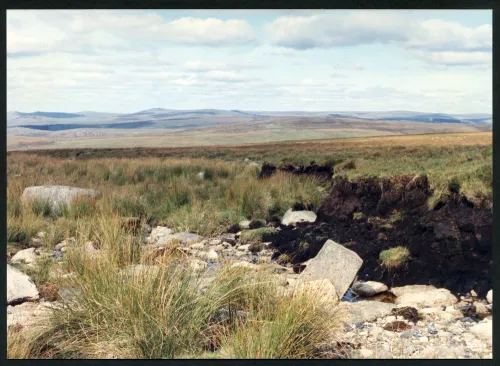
(395, 257)
(255, 235)
(291, 326)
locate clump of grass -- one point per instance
(291, 326)
(395, 257)
(40, 272)
(395, 217)
(14, 207)
(42, 208)
(454, 185)
(348, 165)
(251, 236)
(21, 230)
(283, 259)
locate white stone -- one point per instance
(399, 291)
(428, 298)
(20, 287)
(198, 265)
(27, 256)
(244, 225)
(212, 255)
(243, 247)
(197, 246)
(58, 195)
(483, 331)
(243, 264)
(489, 296)
(293, 217)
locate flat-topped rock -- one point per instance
(431, 298)
(58, 195)
(399, 291)
(366, 311)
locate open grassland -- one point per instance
(161, 314)
(275, 130)
(465, 157)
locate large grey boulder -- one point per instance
(293, 217)
(365, 311)
(335, 263)
(20, 287)
(28, 256)
(58, 195)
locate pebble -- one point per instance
(431, 329)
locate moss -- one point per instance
(358, 216)
(395, 257)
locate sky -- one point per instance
(124, 61)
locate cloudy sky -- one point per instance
(324, 60)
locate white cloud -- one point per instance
(370, 27)
(452, 58)
(83, 31)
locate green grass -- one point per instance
(255, 235)
(395, 257)
(161, 314)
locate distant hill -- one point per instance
(172, 119)
(50, 114)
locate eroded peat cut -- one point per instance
(449, 243)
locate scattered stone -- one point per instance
(197, 246)
(198, 265)
(244, 225)
(397, 326)
(432, 329)
(369, 288)
(294, 217)
(365, 353)
(229, 238)
(483, 331)
(214, 242)
(365, 311)
(399, 291)
(20, 287)
(243, 264)
(28, 256)
(489, 296)
(243, 247)
(212, 255)
(201, 175)
(480, 308)
(428, 298)
(333, 262)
